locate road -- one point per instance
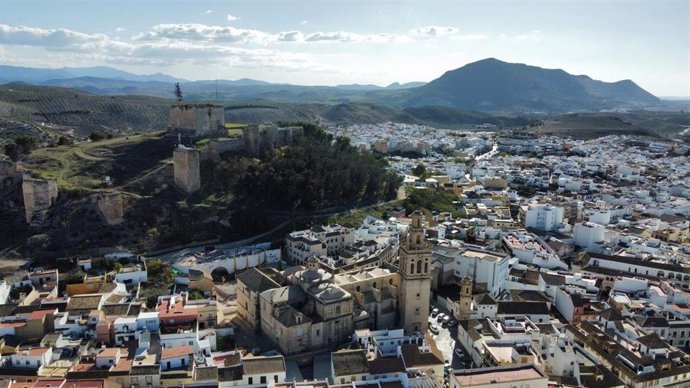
(446, 343)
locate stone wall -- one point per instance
(186, 166)
(39, 196)
(111, 207)
(198, 120)
(258, 139)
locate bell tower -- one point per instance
(465, 298)
(415, 278)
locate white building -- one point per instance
(588, 234)
(545, 218)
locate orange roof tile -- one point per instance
(176, 352)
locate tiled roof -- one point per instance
(349, 362)
(139, 370)
(84, 302)
(179, 351)
(256, 281)
(263, 365)
(413, 357)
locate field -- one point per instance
(83, 111)
(592, 125)
(85, 164)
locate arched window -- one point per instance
(412, 268)
(419, 266)
(426, 267)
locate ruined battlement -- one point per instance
(111, 207)
(39, 196)
(197, 120)
(261, 138)
(186, 169)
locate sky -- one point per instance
(331, 42)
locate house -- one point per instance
(525, 375)
(537, 312)
(31, 358)
(348, 366)
(176, 357)
(250, 284)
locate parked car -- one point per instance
(433, 328)
(434, 312)
(459, 353)
(446, 363)
(439, 318)
(452, 323)
(446, 319)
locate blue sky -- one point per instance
(339, 42)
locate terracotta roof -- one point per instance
(108, 352)
(40, 314)
(176, 352)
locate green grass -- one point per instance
(83, 165)
(235, 125)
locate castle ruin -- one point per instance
(262, 138)
(111, 207)
(195, 120)
(186, 169)
(39, 196)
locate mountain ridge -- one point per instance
(489, 85)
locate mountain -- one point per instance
(497, 86)
(38, 75)
(489, 85)
(408, 85)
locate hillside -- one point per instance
(497, 86)
(83, 111)
(489, 85)
(592, 125)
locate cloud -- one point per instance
(434, 31)
(58, 39)
(228, 34)
(120, 30)
(208, 11)
(232, 18)
(303, 22)
(202, 32)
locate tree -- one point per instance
(420, 171)
(97, 136)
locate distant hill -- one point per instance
(497, 86)
(38, 75)
(82, 111)
(489, 85)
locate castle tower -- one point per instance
(465, 298)
(186, 164)
(415, 278)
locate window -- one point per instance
(251, 380)
(191, 343)
(149, 380)
(263, 379)
(135, 380)
(416, 311)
